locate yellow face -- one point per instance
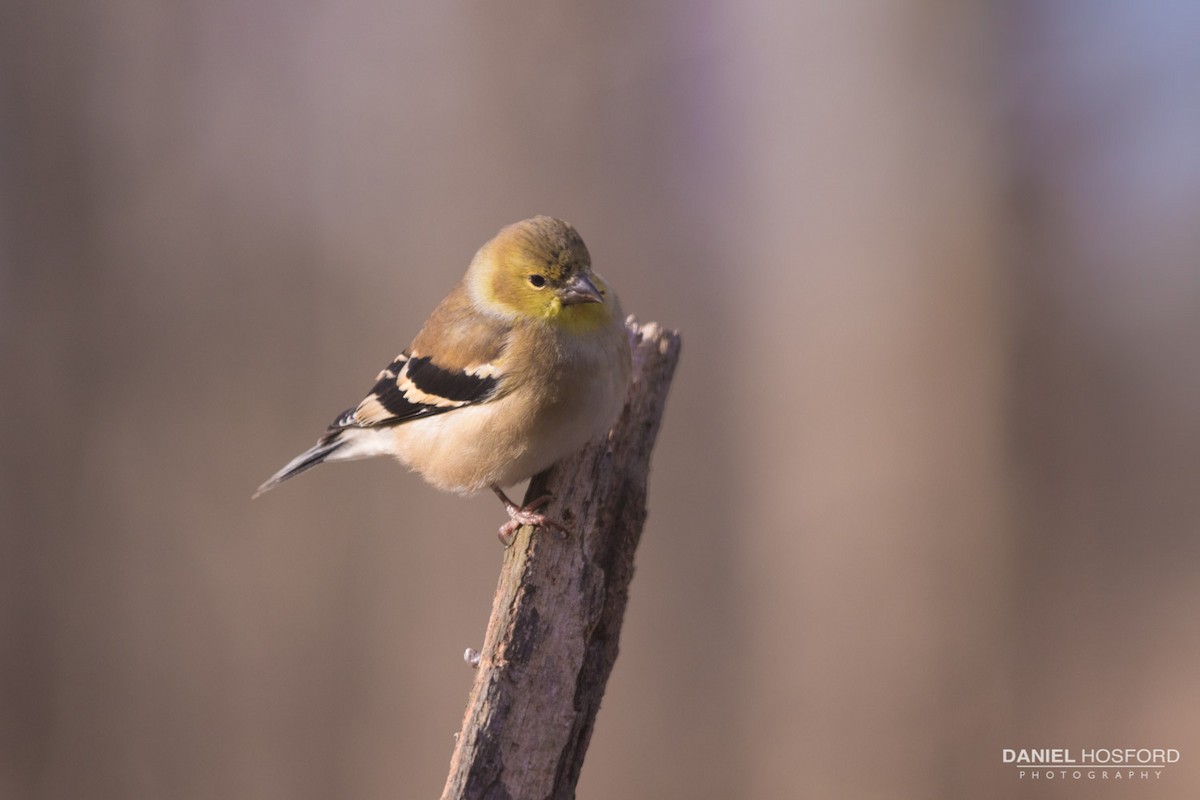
(540, 268)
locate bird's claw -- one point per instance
(527, 515)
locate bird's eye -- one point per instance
(537, 281)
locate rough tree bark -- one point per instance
(552, 637)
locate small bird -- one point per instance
(524, 362)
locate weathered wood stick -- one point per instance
(552, 637)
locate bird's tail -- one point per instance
(329, 444)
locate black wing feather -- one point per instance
(460, 387)
(393, 392)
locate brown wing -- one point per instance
(434, 377)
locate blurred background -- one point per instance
(927, 486)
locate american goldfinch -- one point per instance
(524, 361)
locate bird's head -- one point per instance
(540, 268)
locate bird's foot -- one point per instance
(525, 515)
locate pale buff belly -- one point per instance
(508, 440)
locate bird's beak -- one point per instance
(580, 290)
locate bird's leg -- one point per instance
(525, 515)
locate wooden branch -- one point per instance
(552, 637)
